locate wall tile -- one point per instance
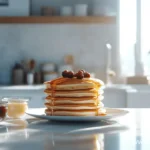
(49, 43)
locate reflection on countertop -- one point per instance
(110, 135)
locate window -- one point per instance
(127, 35)
(134, 31)
(145, 33)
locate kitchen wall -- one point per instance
(50, 42)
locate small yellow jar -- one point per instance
(16, 107)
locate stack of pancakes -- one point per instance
(74, 97)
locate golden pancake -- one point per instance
(74, 93)
(74, 84)
(73, 107)
(100, 98)
(68, 113)
(75, 113)
(71, 100)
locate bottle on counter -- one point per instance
(49, 71)
(47, 76)
(48, 67)
(31, 73)
(30, 78)
(38, 77)
(18, 74)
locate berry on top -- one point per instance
(79, 75)
(70, 74)
(65, 73)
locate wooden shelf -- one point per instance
(57, 19)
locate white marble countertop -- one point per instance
(42, 86)
(130, 132)
(22, 87)
(109, 87)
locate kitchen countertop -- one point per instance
(129, 132)
(23, 87)
(42, 86)
(109, 87)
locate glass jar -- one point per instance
(16, 107)
(3, 110)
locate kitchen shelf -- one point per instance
(57, 19)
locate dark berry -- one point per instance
(80, 75)
(70, 74)
(76, 74)
(65, 74)
(87, 75)
(83, 71)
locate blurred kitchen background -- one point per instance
(108, 38)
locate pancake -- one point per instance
(72, 107)
(100, 98)
(69, 113)
(74, 84)
(71, 100)
(74, 93)
(75, 113)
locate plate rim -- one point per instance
(81, 118)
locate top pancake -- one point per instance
(74, 84)
(74, 93)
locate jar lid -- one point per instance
(3, 102)
(13, 99)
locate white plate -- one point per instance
(111, 113)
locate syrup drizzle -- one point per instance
(53, 84)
